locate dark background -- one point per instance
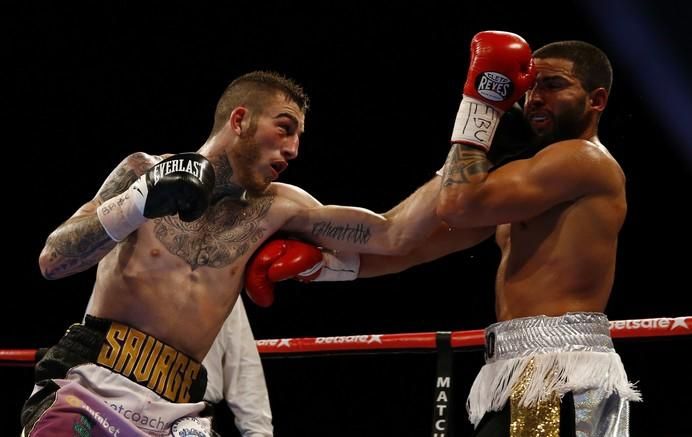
(90, 84)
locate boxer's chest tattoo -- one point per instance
(228, 230)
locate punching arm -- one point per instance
(352, 229)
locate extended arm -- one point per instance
(442, 242)
(360, 230)
(281, 259)
(344, 231)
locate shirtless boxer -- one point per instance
(556, 214)
(171, 236)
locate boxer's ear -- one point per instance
(598, 99)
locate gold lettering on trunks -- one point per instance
(111, 348)
(148, 362)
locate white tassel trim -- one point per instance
(559, 372)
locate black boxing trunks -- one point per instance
(557, 375)
(104, 378)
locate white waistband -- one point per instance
(526, 336)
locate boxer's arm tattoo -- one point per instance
(81, 241)
(355, 233)
(76, 245)
(116, 184)
(125, 174)
(465, 164)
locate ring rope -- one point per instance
(473, 339)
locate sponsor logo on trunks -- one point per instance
(142, 421)
(176, 165)
(149, 362)
(80, 428)
(662, 322)
(188, 426)
(367, 339)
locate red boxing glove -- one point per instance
(278, 260)
(501, 70)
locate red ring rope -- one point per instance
(638, 328)
(656, 327)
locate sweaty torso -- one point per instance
(178, 281)
(561, 260)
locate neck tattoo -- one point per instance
(224, 187)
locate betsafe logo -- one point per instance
(366, 339)
(662, 322)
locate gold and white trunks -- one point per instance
(535, 359)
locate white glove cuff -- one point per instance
(123, 214)
(339, 267)
(312, 270)
(476, 123)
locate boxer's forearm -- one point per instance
(76, 245)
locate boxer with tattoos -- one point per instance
(170, 236)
